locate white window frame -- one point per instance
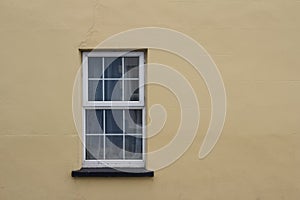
(85, 57)
(113, 105)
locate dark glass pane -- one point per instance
(131, 67)
(95, 91)
(113, 147)
(114, 121)
(94, 147)
(94, 121)
(133, 121)
(131, 90)
(133, 147)
(113, 90)
(95, 67)
(113, 67)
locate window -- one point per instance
(113, 109)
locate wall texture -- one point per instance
(256, 47)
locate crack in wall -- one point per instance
(91, 30)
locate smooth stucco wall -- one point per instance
(256, 47)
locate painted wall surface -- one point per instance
(255, 44)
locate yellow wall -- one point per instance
(256, 47)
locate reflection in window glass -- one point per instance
(95, 67)
(133, 147)
(113, 147)
(131, 67)
(94, 147)
(113, 90)
(95, 91)
(131, 90)
(112, 67)
(94, 121)
(133, 121)
(114, 121)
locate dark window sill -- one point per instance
(112, 172)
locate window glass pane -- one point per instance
(95, 67)
(133, 121)
(113, 67)
(113, 90)
(113, 133)
(94, 121)
(133, 147)
(95, 91)
(113, 147)
(94, 147)
(114, 121)
(131, 67)
(131, 90)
